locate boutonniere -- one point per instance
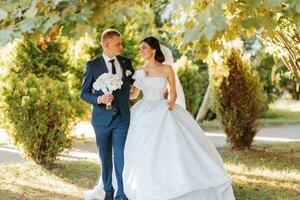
(128, 73)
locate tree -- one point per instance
(285, 45)
(133, 29)
(38, 104)
(204, 107)
(238, 97)
(193, 84)
(286, 81)
(266, 65)
(208, 24)
(73, 18)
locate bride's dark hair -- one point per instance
(154, 44)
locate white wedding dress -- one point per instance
(167, 155)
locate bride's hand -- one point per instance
(171, 105)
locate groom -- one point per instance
(110, 126)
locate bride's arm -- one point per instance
(172, 83)
(134, 93)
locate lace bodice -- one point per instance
(153, 87)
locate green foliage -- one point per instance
(129, 37)
(285, 45)
(209, 23)
(287, 81)
(40, 114)
(29, 58)
(38, 104)
(77, 54)
(159, 6)
(133, 29)
(73, 18)
(193, 83)
(266, 68)
(237, 97)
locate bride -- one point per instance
(167, 155)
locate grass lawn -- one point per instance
(268, 172)
(281, 112)
(65, 180)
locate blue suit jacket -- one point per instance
(93, 69)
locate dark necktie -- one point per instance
(113, 67)
(115, 104)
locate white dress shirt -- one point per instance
(109, 65)
(109, 68)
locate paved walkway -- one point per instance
(88, 150)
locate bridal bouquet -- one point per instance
(107, 83)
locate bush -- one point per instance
(193, 84)
(287, 81)
(237, 97)
(40, 114)
(266, 67)
(38, 104)
(29, 58)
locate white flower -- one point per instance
(107, 83)
(128, 73)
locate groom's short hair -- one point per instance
(109, 33)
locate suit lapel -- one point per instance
(122, 64)
(102, 65)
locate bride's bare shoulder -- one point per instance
(168, 68)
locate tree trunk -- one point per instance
(204, 106)
(291, 60)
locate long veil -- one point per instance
(169, 60)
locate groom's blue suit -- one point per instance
(110, 126)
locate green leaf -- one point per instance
(269, 24)
(191, 35)
(252, 22)
(12, 6)
(69, 11)
(50, 22)
(297, 22)
(83, 28)
(68, 28)
(176, 15)
(28, 25)
(204, 16)
(298, 7)
(31, 12)
(254, 3)
(25, 3)
(273, 3)
(201, 50)
(177, 3)
(217, 23)
(5, 36)
(3, 14)
(209, 31)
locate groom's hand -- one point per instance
(166, 94)
(105, 99)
